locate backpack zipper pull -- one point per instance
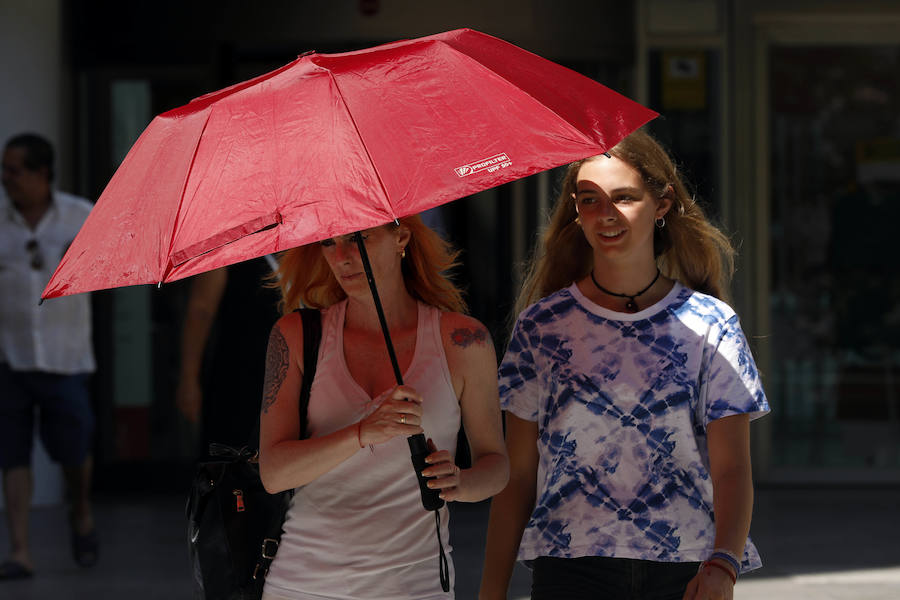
(239, 499)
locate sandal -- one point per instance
(85, 548)
(11, 569)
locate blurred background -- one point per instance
(784, 114)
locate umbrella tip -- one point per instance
(159, 285)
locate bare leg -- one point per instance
(78, 488)
(85, 546)
(17, 490)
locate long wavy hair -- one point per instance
(305, 278)
(689, 248)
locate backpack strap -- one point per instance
(312, 335)
(311, 319)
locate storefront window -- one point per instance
(835, 209)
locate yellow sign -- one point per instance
(683, 80)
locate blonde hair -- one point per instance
(306, 279)
(689, 248)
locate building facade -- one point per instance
(785, 116)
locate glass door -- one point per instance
(834, 206)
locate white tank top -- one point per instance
(360, 531)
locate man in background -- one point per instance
(229, 317)
(46, 355)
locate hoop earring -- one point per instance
(660, 222)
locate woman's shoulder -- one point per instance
(290, 324)
(708, 308)
(463, 330)
(555, 304)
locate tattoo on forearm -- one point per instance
(276, 368)
(465, 336)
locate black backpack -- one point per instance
(234, 524)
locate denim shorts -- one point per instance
(64, 413)
(599, 578)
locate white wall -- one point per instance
(32, 86)
(31, 99)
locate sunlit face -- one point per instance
(616, 209)
(383, 246)
(23, 185)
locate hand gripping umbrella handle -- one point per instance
(418, 447)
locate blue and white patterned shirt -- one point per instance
(622, 402)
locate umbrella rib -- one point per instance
(487, 69)
(258, 225)
(363, 141)
(170, 266)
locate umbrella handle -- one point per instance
(418, 450)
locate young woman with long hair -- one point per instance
(628, 388)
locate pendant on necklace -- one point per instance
(631, 304)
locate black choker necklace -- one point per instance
(631, 304)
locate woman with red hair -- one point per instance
(356, 527)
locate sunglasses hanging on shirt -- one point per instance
(37, 257)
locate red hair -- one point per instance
(306, 279)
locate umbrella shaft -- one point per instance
(418, 445)
(378, 308)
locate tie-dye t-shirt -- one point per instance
(622, 402)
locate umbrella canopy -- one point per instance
(335, 143)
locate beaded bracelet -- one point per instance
(722, 568)
(728, 557)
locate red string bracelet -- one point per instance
(731, 575)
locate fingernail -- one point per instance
(429, 484)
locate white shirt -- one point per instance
(54, 336)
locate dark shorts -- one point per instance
(64, 411)
(599, 578)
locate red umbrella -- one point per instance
(335, 143)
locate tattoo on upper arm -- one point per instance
(466, 336)
(276, 368)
